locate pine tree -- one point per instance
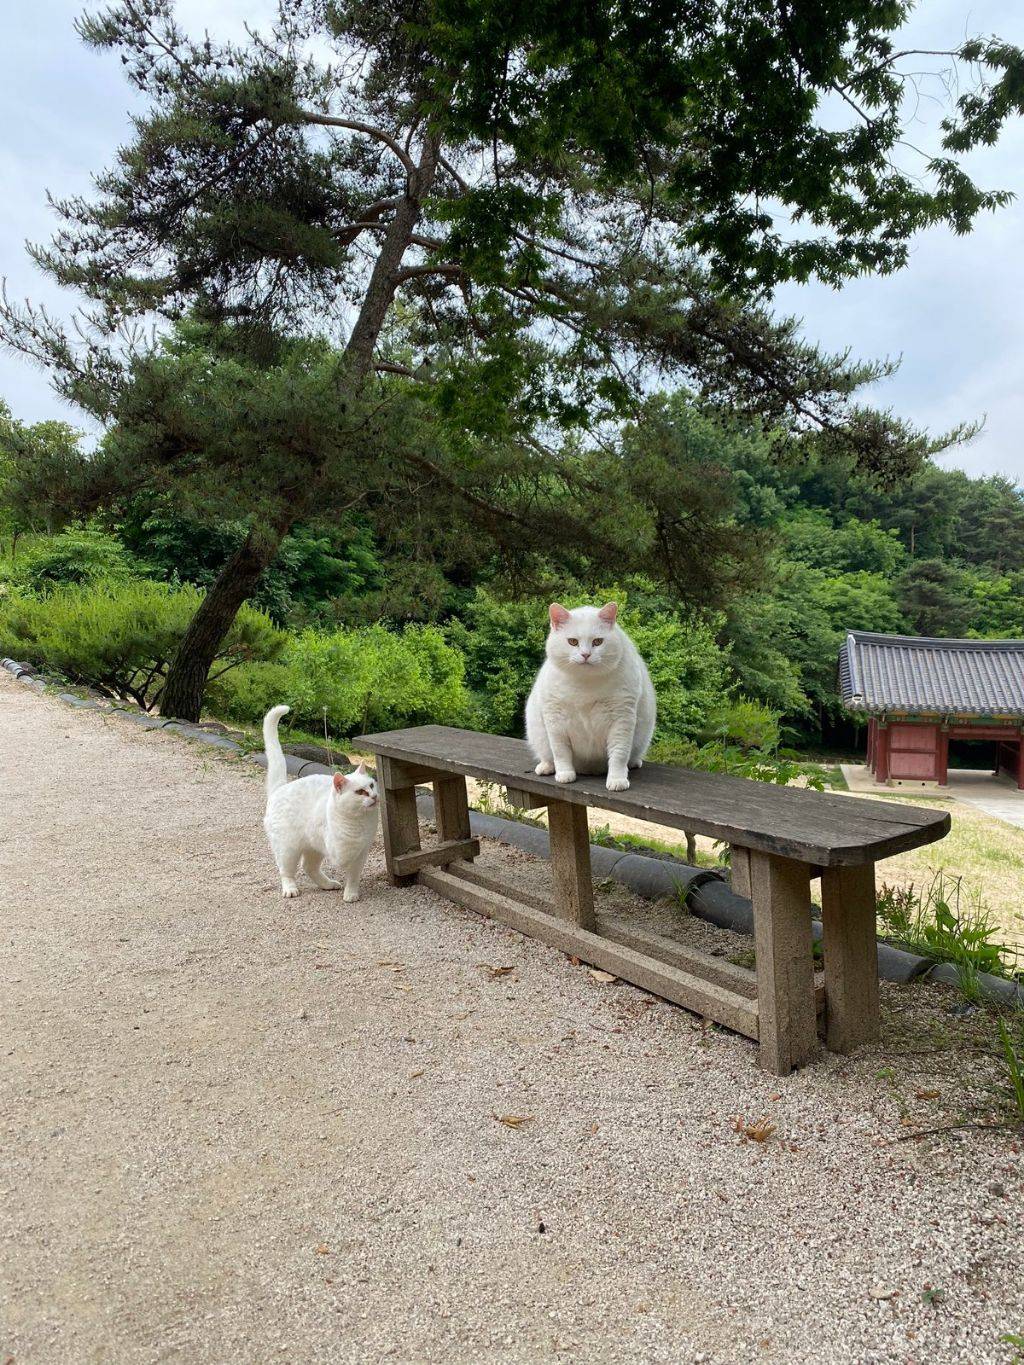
(515, 217)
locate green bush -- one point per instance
(359, 680)
(79, 555)
(745, 722)
(119, 637)
(503, 643)
(947, 923)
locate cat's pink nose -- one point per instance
(584, 654)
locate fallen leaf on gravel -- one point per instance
(927, 1094)
(513, 1120)
(322, 1250)
(495, 971)
(395, 966)
(574, 961)
(402, 986)
(881, 1294)
(463, 1014)
(598, 975)
(414, 1074)
(758, 1131)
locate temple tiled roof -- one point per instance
(913, 673)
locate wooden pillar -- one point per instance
(786, 1013)
(739, 870)
(942, 757)
(1020, 762)
(851, 956)
(882, 753)
(451, 809)
(570, 863)
(399, 822)
(872, 728)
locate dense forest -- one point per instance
(351, 624)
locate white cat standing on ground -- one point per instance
(317, 819)
(592, 708)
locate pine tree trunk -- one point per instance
(186, 679)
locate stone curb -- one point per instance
(707, 895)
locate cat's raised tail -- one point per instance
(277, 768)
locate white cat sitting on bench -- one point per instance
(592, 708)
(317, 819)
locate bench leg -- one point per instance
(570, 863)
(739, 870)
(400, 824)
(851, 956)
(786, 1014)
(451, 809)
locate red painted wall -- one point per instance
(914, 752)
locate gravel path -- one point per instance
(239, 1129)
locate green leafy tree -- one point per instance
(312, 574)
(811, 537)
(522, 212)
(858, 601)
(996, 605)
(932, 597)
(42, 475)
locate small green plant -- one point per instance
(1016, 1340)
(1013, 1056)
(945, 922)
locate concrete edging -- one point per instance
(708, 896)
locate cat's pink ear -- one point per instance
(557, 615)
(609, 612)
(361, 770)
(340, 781)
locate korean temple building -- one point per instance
(919, 693)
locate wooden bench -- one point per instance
(781, 838)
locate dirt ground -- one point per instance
(235, 1128)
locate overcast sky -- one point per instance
(955, 315)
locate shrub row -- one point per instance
(118, 632)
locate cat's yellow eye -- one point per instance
(572, 642)
(598, 640)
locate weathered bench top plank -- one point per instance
(813, 827)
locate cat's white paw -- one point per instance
(289, 890)
(544, 769)
(637, 763)
(351, 896)
(329, 884)
(566, 775)
(617, 784)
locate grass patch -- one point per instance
(637, 843)
(944, 921)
